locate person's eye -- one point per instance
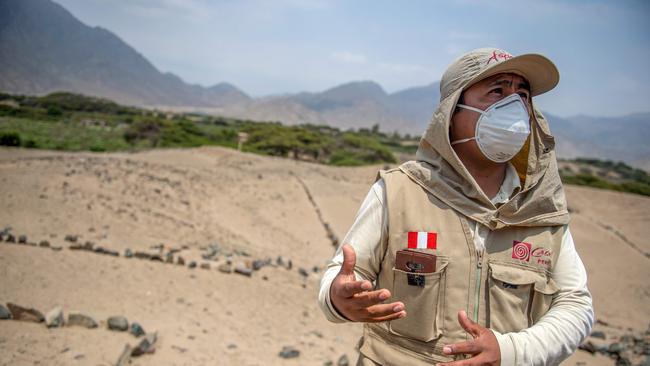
(498, 91)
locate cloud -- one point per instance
(348, 57)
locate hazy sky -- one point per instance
(602, 48)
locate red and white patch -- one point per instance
(422, 240)
(521, 250)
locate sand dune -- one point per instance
(250, 208)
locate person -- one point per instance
(488, 273)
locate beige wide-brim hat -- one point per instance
(482, 63)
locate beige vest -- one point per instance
(508, 287)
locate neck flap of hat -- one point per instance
(437, 168)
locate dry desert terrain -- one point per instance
(214, 205)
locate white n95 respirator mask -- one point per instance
(502, 129)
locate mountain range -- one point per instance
(623, 138)
(44, 48)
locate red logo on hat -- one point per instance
(521, 250)
(498, 57)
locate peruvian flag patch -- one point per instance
(422, 240)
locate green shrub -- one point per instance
(31, 144)
(54, 111)
(76, 102)
(636, 187)
(6, 110)
(149, 130)
(624, 170)
(346, 158)
(593, 181)
(97, 148)
(367, 149)
(296, 141)
(9, 138)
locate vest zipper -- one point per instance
(479, 269)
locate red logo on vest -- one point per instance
(521, 250)
(422, 240)
(542, 252)
(543, 256)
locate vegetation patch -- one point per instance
(71, 122)
(65, 121)
(605, 174)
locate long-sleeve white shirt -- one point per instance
(555, 337)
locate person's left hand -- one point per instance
(484, 347)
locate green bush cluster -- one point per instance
(9, 138)
(288, 141)
(638, 187)
(361, 150)
(62, 101)
(61, 135)
(631, 179)
(624, 170)
(58, 105)
(65, 121)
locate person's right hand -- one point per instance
(354, 300)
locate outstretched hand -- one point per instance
(354, 300)
(484, 347)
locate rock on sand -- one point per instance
(81, 320)
(118, 323)
(54, 318)
(25, 314)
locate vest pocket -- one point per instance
(518, 296)
(543, 296)
(423, 303)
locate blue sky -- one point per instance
(264, 47)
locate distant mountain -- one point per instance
(351, 105)
(344, 96)
(416, 104)
(624, 138)
(44, 48)
(356, 104)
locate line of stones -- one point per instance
(246, 268)
(55, 318)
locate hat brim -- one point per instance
(540, 72)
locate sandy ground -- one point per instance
(242, 203)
